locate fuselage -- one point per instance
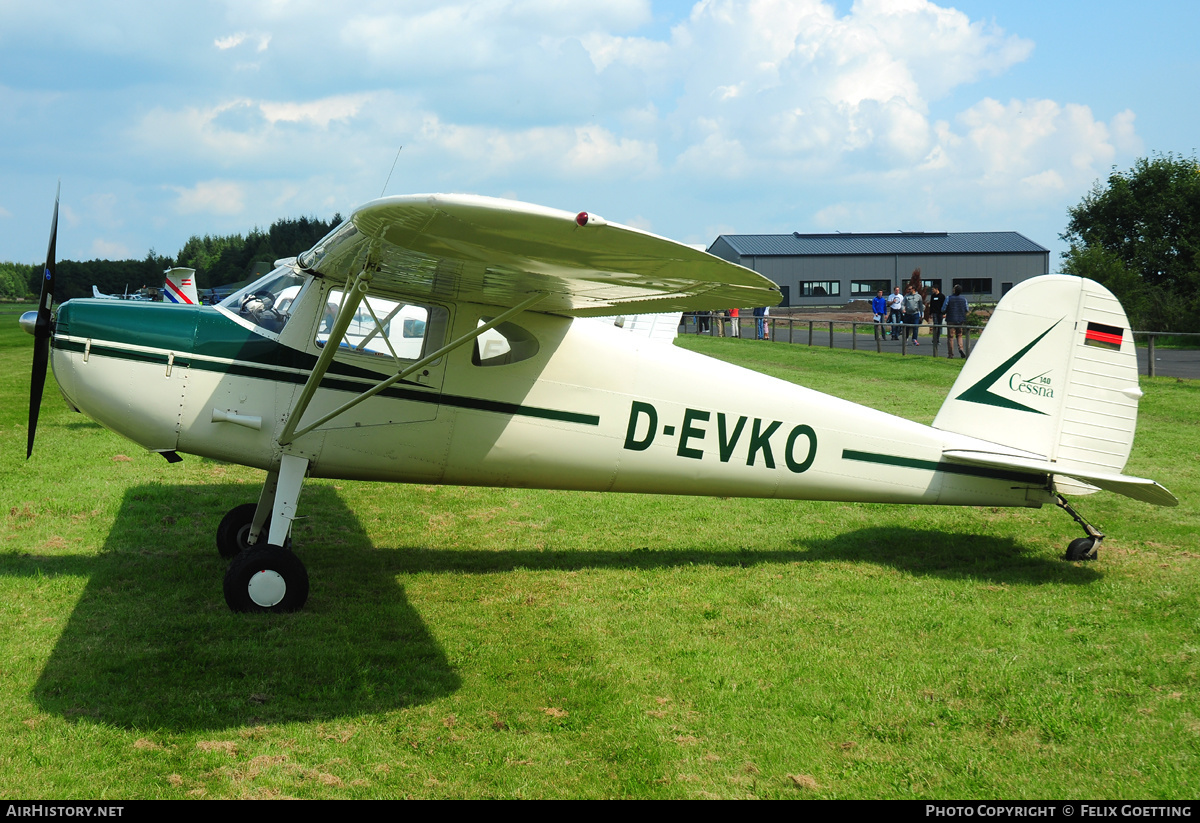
(575, 404)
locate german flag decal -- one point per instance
(1106, 337)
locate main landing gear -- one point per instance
(264, 575)
(1081, 548)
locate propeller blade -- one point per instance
(41, 331)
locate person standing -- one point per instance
(879, 309)
(896, 312)
(733, 323)
(937, 307)
(913, 307)
(956, 315)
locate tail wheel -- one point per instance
(1082, 548)
(266, 579)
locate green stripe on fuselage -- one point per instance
(205, 331)
(943, 466)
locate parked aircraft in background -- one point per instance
(179, 286)
(441, 339)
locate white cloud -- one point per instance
(109, 250)
(1060, 146)
(316, 112)
(229, 42)
(586, 151)
(222, 197)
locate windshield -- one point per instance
(267, 302)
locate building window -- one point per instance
(820, 288)
(935, 283)
(974, 285)
(867, 288)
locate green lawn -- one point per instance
(503, 643)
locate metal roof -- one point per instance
(796, 244)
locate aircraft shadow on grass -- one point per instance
(922, 553)
(150, 644)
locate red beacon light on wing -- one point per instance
(585, 219)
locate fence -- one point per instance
(793, 330)
(748, 326)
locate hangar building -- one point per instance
(826, 269)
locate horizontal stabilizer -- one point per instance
(1139, 488)
(663, 327)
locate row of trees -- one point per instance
(218, 260)
(16, 280)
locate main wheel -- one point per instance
(1082, 548)
(266, 579)
(234, 530)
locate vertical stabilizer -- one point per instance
(1055, 374)
(180, 286)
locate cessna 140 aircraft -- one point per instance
(439, 339)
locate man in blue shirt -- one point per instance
(879, 309)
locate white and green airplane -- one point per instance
(443, 339)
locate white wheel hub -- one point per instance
(267, 588)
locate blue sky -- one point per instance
(165, 120)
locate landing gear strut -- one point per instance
(1081, 548)
(263, 574)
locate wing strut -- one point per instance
(350, 301)
(289, 434)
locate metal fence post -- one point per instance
(810, 325)
(1150, 357)
(831, 334)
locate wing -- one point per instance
(496, 252)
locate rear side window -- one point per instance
(506, 343)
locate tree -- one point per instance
(1139, 235)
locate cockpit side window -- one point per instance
(385, 328)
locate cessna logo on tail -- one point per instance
(799, 449)
(1039, 385)
(981, 391)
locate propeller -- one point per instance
(41, 332)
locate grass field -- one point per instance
(505, 643)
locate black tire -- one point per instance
(267, 579)
(234, 530)
(1082, 548)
